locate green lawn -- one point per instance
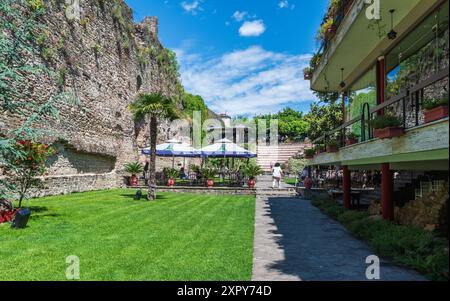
(177, 237)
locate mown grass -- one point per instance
(177, 237)
(410, 246)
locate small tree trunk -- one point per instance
(152, 167)
(20, 200)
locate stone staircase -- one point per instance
(264, 188)
(269, 155)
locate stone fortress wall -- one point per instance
(106, 60)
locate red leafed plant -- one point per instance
(7, 216)
(26, 164)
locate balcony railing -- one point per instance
(407, 106)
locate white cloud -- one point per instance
(191, 7)
(285, 4)
(252, 28)
(239, 16)
(248, 81)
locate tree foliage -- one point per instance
(291, 124)
(323, 118)
(192, 103)
(155, 106)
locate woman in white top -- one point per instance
(277, 173)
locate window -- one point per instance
(361, 92)
(420, 54)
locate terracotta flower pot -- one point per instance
(251, 183)
(210, 183)
(134, 181)
(171, 182)
(308, 183)
(390, 132)
(332, 149)
(350, 141)
(436, 114)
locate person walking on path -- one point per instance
(277, 173)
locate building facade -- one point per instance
(389, 61)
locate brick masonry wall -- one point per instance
(106, 74)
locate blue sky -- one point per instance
(241, 56)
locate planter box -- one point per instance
(307, 76)
(332, 149)
(309, 156)
(436, 114)
(349, 142)
(389, 132)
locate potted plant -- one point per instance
(171, 174)
(351, 138)
(315, 61)
(332, 146)
(387, 126)
(134, 168)
(435, 109)
(208, 174)
(320, 148)
(309, 153)
(307, 73)
(328, 29)
(252, 171)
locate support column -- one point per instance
(387, 192)
(346, 186)
(381, 82)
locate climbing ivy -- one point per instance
(21, 39)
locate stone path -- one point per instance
(295, 241)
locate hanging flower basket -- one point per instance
(307, 73)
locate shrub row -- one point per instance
(410, 246)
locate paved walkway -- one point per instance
(295, 241)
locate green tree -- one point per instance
(193, 103)
(356, 106)
(291, 123)
(323, 118)
(154, 106)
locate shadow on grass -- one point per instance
(37, 209)
(144, 196)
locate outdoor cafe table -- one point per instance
(355, 196)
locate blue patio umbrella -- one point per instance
(173, 148)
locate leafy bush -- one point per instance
(386, 121)
(134, 168)
(310, 152)
(352, 135)
(252, 171)
(208, 173)
(406, 245)
(333, 143)
(171, 173)
(429, 104)
(296, 165)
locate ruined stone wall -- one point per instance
(105, 60)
